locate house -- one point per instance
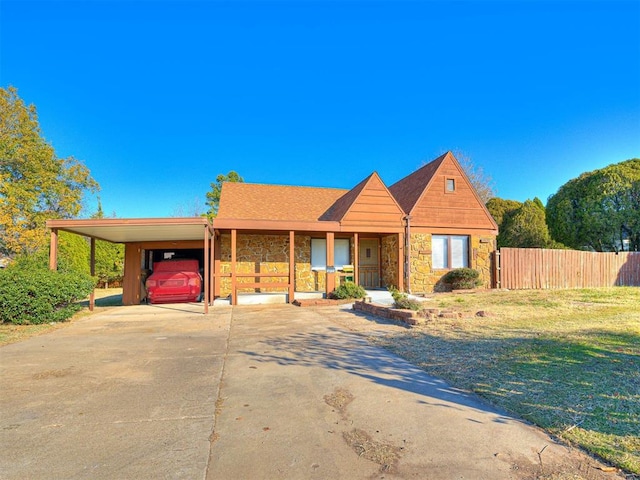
(303, 240)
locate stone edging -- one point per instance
(409, 317)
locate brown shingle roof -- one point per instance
(251, 201)
(408, 190)
(337, 210)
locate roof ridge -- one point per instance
(284, 185)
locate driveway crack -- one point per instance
(218, 396)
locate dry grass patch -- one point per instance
(340, 400)
(9, 333)
(383, 454)
(567, 360)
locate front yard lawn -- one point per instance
(566, 360)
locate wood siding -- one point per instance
(374, 206)
(461, 208)
(537, 268)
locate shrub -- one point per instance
(462, 278)
(348, 290)
(30, 294)
(401, 300)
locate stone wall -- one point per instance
(425, 280)
(482, 248)
(422, 277)
(389, 260)
(306, 279)
(255, 254)
(269, 253)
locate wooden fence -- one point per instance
(539, 268)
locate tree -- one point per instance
(599, 210)
(499, 207)
(525, 227)
(73, 253)
(213, 197)
(521, 225)
(482, 183)
(109, 262)
(35, 185)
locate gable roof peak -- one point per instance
(408, 190)
(341, 206)
(371, 197)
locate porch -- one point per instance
(279, 267)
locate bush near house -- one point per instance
(401, 300)
(462, 278)
(348, 290)
(30, 294)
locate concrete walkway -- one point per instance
(277, 392)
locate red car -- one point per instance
(174, 281)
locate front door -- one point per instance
(368, 263)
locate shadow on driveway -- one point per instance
(345, 352)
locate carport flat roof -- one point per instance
(125, 230)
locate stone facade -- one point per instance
(255, 254)
(425, 280)
(306, 279)
(422, 277)
(389, 260)
(269, 253)
(482, 249)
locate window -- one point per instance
(341, 253)
(318, 253)
(449, 251)
(450, 185)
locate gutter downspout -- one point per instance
(407, 242)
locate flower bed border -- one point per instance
(410, 317)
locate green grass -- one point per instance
(566, 360)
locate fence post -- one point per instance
(496, 268)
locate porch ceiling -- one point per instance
(119, 230)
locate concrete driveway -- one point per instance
(152, 392)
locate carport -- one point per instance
(140, 235)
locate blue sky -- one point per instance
(159, 97)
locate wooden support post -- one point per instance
(234, 293)
(331, 276)
(92, 270)
(53, 250)
(212, 267)
(356, 259)
(401, 262)
(131, 284)
(216, 265)
(207, 272)
(379, 262)
(292, 266)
